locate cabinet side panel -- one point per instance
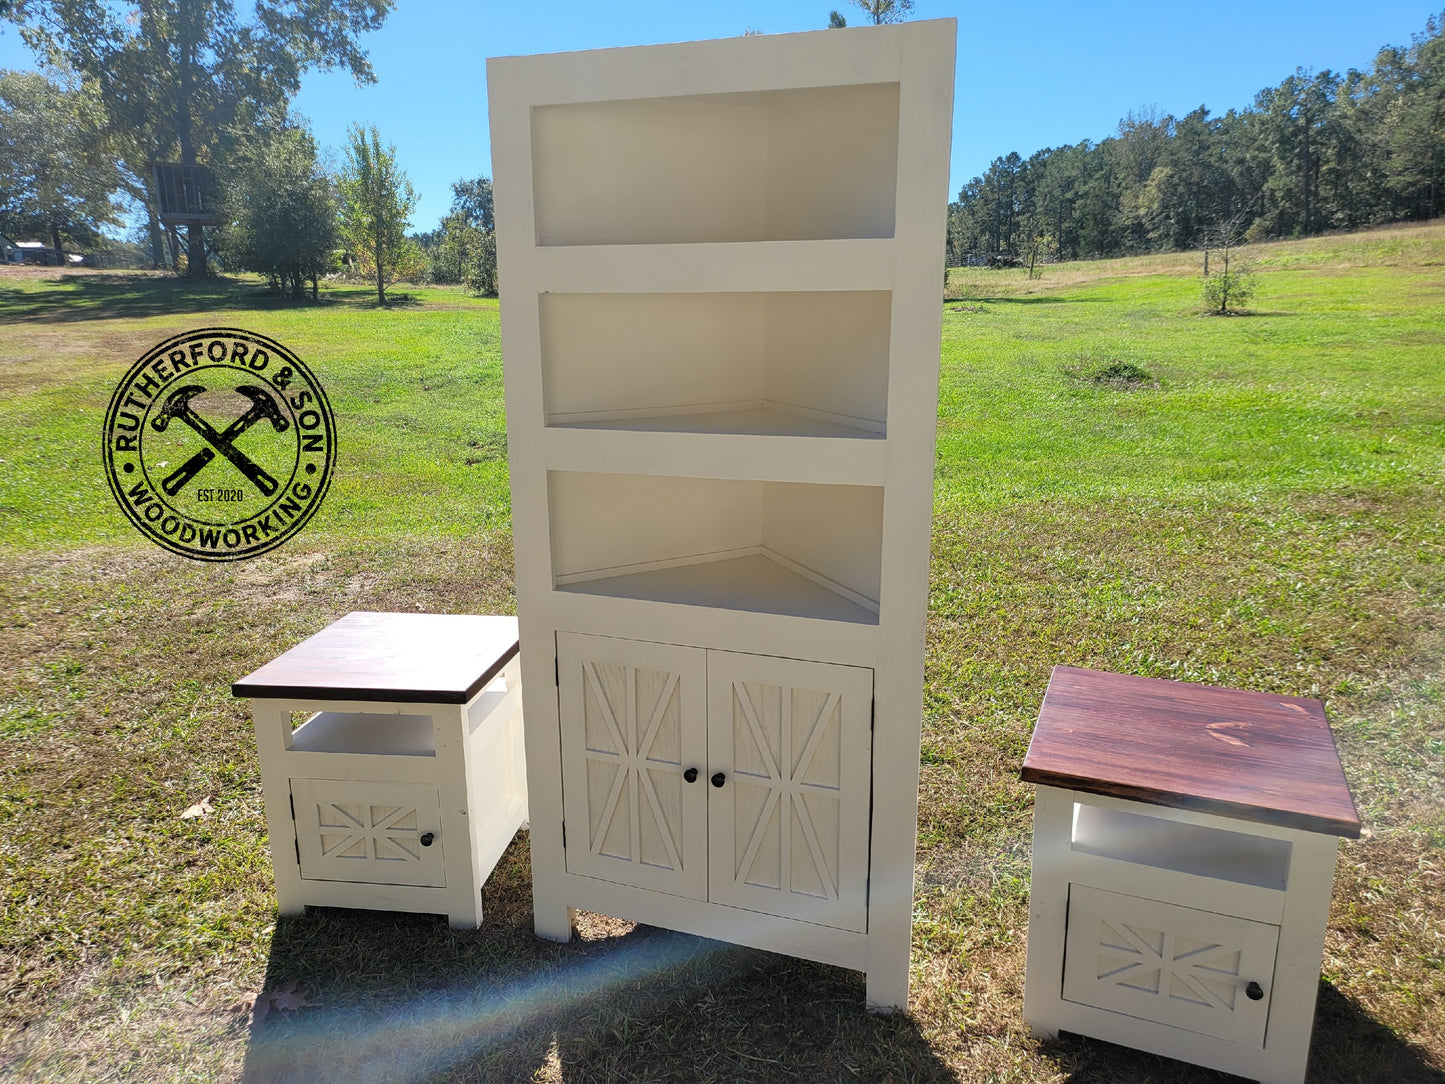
(511, 88)
(924, 128)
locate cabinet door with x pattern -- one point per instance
(634, 719)
(739, 779)
(788, 830)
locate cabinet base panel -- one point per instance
(821, 944)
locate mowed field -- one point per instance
(1256, 501)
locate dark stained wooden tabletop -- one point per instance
(1252, 756)
(396, 658)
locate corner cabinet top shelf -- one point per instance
(804, 164)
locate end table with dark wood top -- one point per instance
(406, 781)
(1184, 854)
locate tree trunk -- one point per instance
(158, 245)
(195, 252)
(380, 271)
(1306, 177)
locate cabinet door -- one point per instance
(634, 718)
(1169, 964)
(369, 833)
(788, 830)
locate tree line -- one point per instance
(1319, 151)
(200, 83)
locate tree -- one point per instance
(281, 213)
(464, 249)
(836, 21)
(58, 174)
(885, 11)
(179, 78)
(1227, 286)
(377, 202)
(470, 235)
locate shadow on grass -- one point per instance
(402, 997)
(108, 296)
(1349, 1045)
(1042, 299)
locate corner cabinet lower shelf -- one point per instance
(729, 790)
(756, 582)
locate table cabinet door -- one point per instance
(634, 718)
(370, 833)
(788, 830)
(1168, 964)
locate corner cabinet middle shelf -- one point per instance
(757, 443)
(834, 264)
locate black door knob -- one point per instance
(1254, 991)
(690, 775)
(719, 779)
(426, 839)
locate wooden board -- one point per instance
(1253, 756)
(395, 658)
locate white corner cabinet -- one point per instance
(720, 325)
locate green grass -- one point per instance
(1121, 483)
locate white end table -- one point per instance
(1184, 853)
(406, 780)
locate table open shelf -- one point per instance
(1184, 848)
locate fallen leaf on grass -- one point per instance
(258, 1006)
(200, 809)
(287, 998)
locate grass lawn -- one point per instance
(1256, 501)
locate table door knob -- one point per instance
(1254, 991)
(719, 779)
(427, 838)
(690, 775)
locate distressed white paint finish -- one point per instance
(633, 720)
(1173, 965)
(457, 770)
(788, 825)
(1100, 864)
(369, 832)
(721, 337)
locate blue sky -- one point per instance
(1030, 75)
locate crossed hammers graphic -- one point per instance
(178, 405)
